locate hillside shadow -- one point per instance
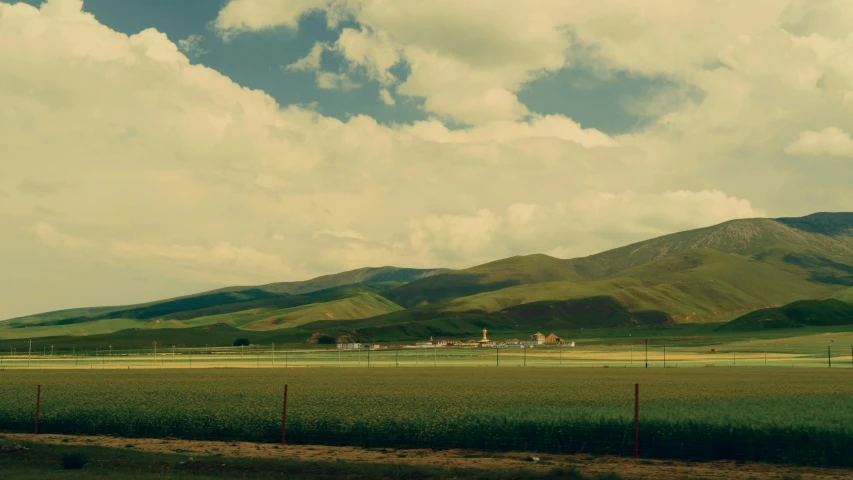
(825, 223)
(822, 270)
(596, 311)
(443, 288)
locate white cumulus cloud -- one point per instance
(124, 160)
(830, 141)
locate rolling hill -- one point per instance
(821, 245)
(491, 276)
(698, 285)
(711, 274)
(834, 310)
(381, 278)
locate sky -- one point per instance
(154, 148)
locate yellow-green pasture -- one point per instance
(817, 351)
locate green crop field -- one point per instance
(781, 415)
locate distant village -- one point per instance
(536, 339)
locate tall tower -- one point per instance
(484, 336)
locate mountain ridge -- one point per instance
(708, 274)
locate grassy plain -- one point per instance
(774, 414)
(685, 345)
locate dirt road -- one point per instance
(627, 467)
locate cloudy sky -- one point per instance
(152, 148)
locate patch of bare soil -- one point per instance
(626, 467)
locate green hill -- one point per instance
(483, 278)
(844, 295)
(381, 278)
(362, 305)
(835, 310)
(822, 240)
(389, 276)
(818, 246)
(710, 274)
(233, 306)
(699, 285)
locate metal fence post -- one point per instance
(284, 416)
(636, 420)
(38, 407)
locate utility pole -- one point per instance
(647, 353)
(273, 354)
(829, 356)
(664, 355)
(155, 354)
(497, 357)
(525, 356)
(396, 358)
(632, 354)
(368, 356)
(111, 353)
(29, 353)
(765, 354)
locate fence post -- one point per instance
(829, 356)
(636, 420)
(284, 416)
(38, 407)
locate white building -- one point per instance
(350, 346)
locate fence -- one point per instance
(636, 356)
(592, 436)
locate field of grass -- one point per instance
(687, 352)
(777, 415)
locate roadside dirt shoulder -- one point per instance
(627, 467)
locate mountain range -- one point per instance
(752, 273)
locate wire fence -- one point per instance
(628, 434)
(269, 356)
